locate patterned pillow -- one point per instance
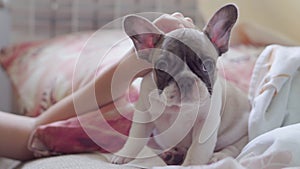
(42, 72)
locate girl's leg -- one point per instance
(100, 89)
(14, 133)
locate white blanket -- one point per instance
(275, 90)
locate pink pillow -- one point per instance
(42, 72)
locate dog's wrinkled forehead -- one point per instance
(185, 49)
(189, 42)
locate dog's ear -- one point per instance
(144, 34)
(219, 27)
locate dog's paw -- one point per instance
(217, 157)
(120, 160)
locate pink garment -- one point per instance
(103, 130)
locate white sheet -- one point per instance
(275, 90)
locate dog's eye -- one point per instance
(208, 65)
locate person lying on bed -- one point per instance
(15, 130)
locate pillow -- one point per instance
(42, 72)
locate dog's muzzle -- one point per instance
(185, 85)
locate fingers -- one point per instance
(178, 15)
(167, 22)
(189, 20)
(185, 21)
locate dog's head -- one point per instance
(185, 59)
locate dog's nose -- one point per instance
(185, 84)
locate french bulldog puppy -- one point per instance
(183, 104)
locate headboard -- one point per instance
(39, 19)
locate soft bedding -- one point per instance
(275, 90)
(268, 149)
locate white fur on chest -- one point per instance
(172, 123)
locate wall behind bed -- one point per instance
(40, 19)
(276, 15)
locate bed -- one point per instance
(45, 40)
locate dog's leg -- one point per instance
(141, 128)
(138, 137)
(199, 154)
(230, 151)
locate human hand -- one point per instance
(168, 23)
